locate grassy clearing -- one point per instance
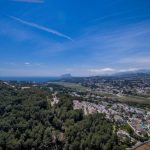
(134, 99)
(74, 86)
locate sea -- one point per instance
(30, 79)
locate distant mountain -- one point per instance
(133, 73)
(136, 73)
(64, 76)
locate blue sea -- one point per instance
(32, 79)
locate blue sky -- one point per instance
(53, 37)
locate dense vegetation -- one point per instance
(27, 121)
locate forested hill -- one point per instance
(27, 121)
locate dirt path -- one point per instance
(144, 147)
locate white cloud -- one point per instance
(109, 71)
(27, 63)
(129, 70)
(102, 70)
(49, 30)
